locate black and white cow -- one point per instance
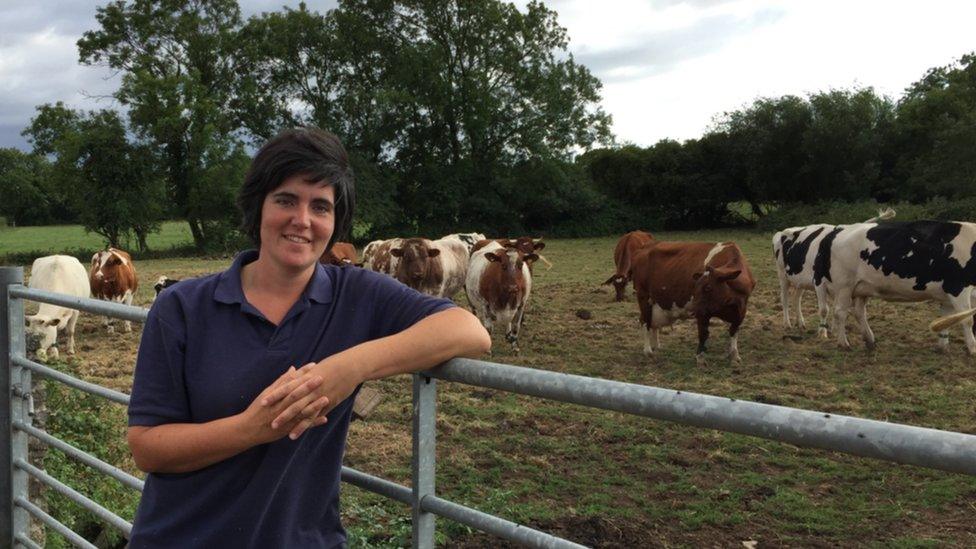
(795, 250)
(162, 283)
(897, 261)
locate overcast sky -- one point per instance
(668, 66)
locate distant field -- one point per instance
(611, 480)
(60, 238)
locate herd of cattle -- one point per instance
(844, 265)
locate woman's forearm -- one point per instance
(184, 447)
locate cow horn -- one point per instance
(948, 321)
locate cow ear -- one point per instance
(53, 322)
(490, 256)
(696, 276)
(539, 245)
(609, 280)
(532, 258)
(433, 252)
(396, 252)
(728, 275)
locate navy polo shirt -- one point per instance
(205, 354)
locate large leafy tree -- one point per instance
(109, 180)
(935, 132)
(450, 95)
(178, 61)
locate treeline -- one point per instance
(839, 146)
(458, 116)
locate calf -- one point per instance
(65, 275)
(623, 256)
(898, 261)
(676, 280)
(437, 268)
(498, 286)
(113, 278)
(341, 254)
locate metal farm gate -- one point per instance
(948, 451)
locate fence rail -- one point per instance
(932, 448)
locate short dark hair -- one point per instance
(312, 152)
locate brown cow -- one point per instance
(675, 280)
(623, 256)
(498, 285)
(434, 267)
(113, 278)
(341, 254)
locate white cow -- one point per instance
(795, 250)
(898, 261)
(65, 275)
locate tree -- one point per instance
(27, 195)
(179, 65)
(450, 94)
(935, 132)
(109, 181)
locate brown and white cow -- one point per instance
(498, 286)
(623, 256)
(377, 257)
(434, 267)
(676, 280)
(341, 254)
(113, 278)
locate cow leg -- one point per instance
(959, 304)
(734, 342)
(70, 329)
(645, 306)
(785, 292)
(947, 308)
(842, 304)
(514, 326)
(797, 308)
(823, 309)
(702, 338)
(861, 314)
(107, 323)
(128, 301)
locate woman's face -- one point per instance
(297, 221)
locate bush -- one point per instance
(938, 208)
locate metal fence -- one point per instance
(948, 451)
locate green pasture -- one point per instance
(68, 238)
(611, 480)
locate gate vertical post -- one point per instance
(13, 483)
(424, 457)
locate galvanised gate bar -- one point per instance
(948, 451)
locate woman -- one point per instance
(218, 413)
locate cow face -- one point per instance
(104, 264)
(45, 330)
(510, 260)
(712, 292)
(415, 260)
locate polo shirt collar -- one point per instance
(229, 290)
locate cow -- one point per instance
(795, 250)
(468, 239)
(498, 285)
(65, 275)
(113, 278)
(677, 280)
(162, 283)
(377, 257)
(341, 254)
(897, 261)
(436, 268)
(623, 255)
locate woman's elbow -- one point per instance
(143, 457)
(477, 340)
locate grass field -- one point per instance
(611, 480)
(63, 238)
